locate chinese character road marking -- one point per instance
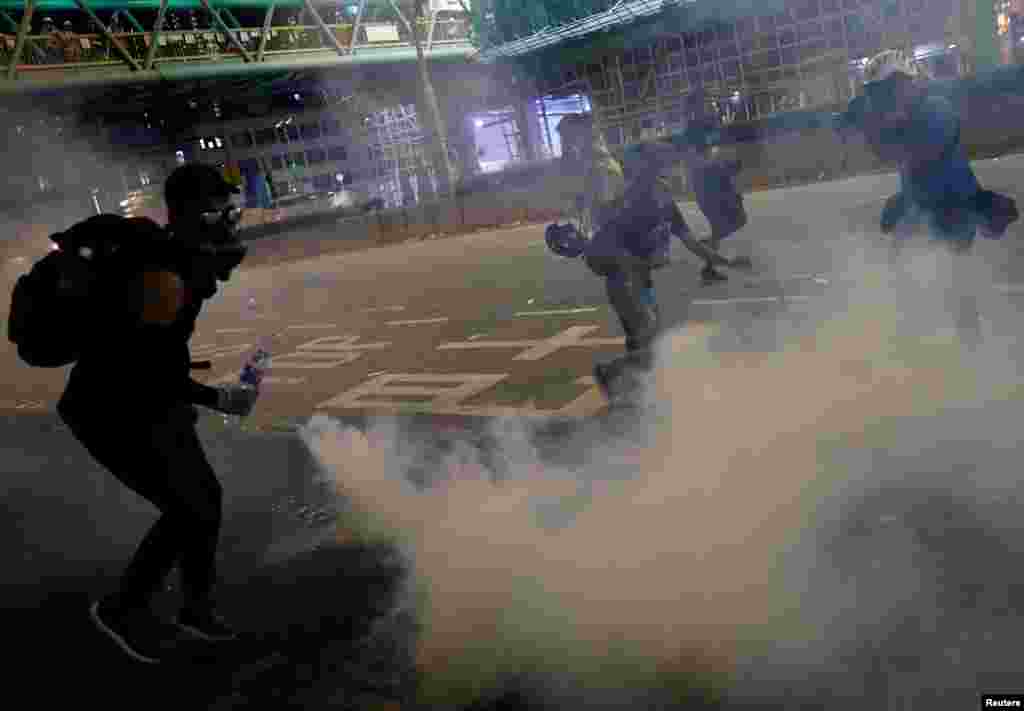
(437, 386)
(233, 330)
(535, 350)
(446, 400)
(312, 326)
(325, 353)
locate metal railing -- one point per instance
(86, 50)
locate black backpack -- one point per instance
(55, 305)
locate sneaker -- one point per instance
(138, 632)
(207, 625)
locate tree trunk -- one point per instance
(436, 128)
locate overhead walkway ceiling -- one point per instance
(140, 55)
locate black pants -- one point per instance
(631, 295)
(164, 462)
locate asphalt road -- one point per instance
(354, 326)
(895, 490)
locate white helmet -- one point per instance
(892, 61)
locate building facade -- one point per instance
(810, 55)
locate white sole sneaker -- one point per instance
(118, 639)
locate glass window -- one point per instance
(316, 155)
(277, 162)
(706, 55)
(783, 18)
(851, 4)
(310, 130)
(264, 136)
(690, 40)
(241, 140)
(293, 132)
(337, 153)
(674, 44)
(710, 73)
(692, 59)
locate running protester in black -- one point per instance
(130, 401)
(627, 249)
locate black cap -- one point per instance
(196, 181)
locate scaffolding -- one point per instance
(397, 150)
(808, 56)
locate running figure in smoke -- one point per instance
(626, 250)
(920, 131)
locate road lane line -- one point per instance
(749, 300)
(558, 312)
(416, 322)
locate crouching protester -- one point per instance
(131, 402)
(919, 130)
(625, 252)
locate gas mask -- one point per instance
(216, 247)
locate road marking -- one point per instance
(537, 349)
(213, 351)
(416, 322)
(558, 312)
(336, 344)
(313, 326)
(438, 387)
(383, 308)
(268, 380)
(312, 360)
(233, 330)
(749, 300)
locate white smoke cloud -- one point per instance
(749, 528)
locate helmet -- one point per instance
(565, 240)
(885, 64)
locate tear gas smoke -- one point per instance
(721, 540)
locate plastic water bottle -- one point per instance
(255, 368)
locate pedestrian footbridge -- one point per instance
(105, 42)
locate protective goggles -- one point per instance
(230, 215)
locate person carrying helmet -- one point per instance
(630, 245)
(920, 131)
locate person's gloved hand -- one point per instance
(236, 399)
